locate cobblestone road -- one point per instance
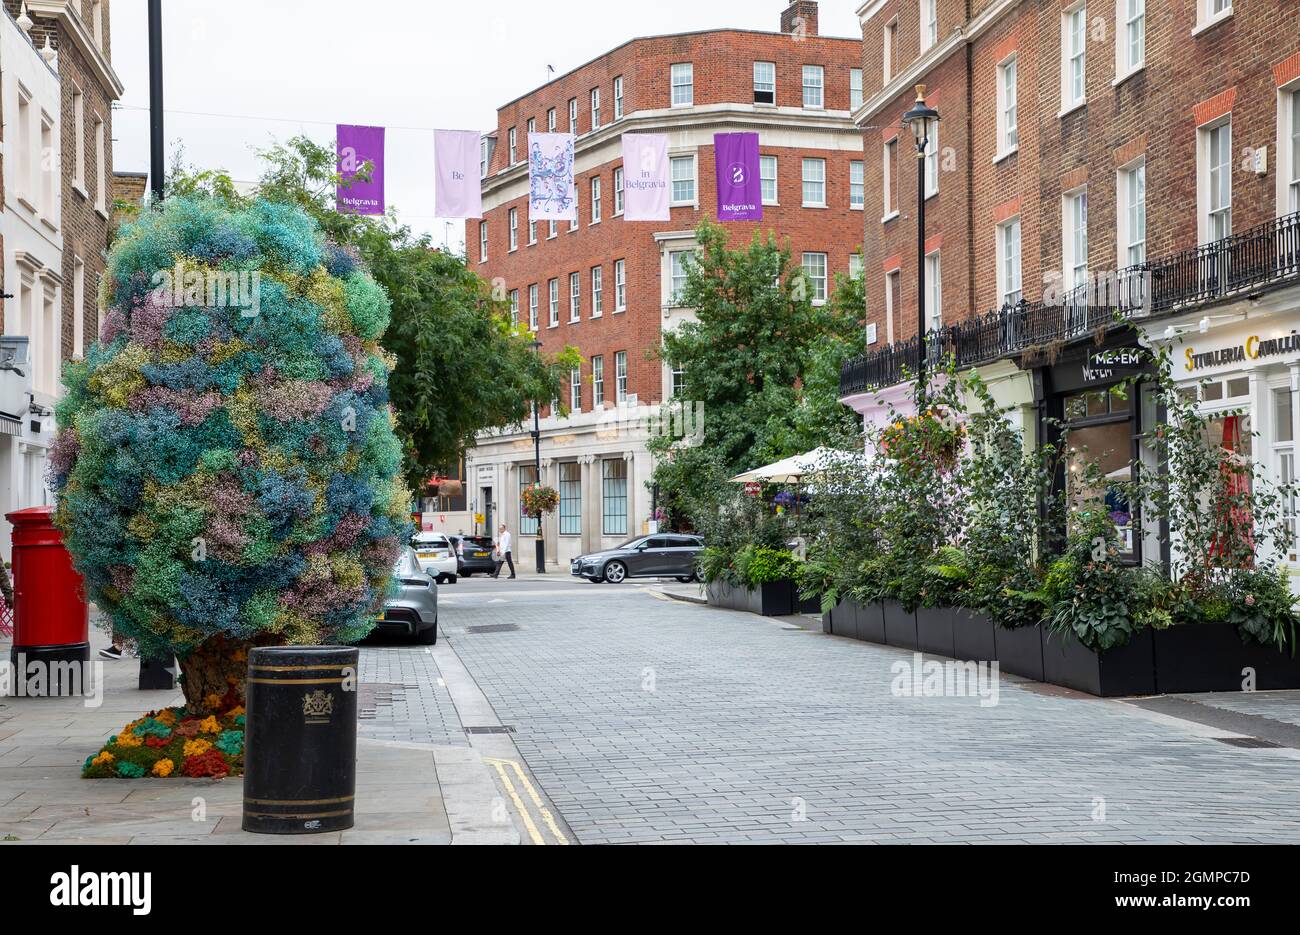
(647, 720)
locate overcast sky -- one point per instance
(283, 67)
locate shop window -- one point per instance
(1099, 452)
(527, 478)
(1284, 459)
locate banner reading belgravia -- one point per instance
(456, 166)
(551, 195)
(355, 147)
(740, 189)
(645, 177)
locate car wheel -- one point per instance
(430, 636)
(467, 574)
(684, 580)
(451, 579)
(615, 572)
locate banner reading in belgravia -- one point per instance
(551, 195)
(646, 185)
(740, 189)
(456, 166)
(355, 147)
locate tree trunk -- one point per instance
(214, 672)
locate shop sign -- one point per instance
(1112, 363)
(1253, 348)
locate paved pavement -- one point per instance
(645, 719)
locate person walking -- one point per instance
(503, 552)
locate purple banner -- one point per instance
(355, 147)
(740, 189)
(645, 177)
(456, 164)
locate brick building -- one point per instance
(606, 286)
(1093, 159)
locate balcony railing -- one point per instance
(1264, 257)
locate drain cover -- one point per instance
(493, 628)
(1250, 742)
(497, 729)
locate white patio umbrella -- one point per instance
(793, 469)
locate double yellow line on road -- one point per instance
(504, 768)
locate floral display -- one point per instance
(171, 742)
(226, 469)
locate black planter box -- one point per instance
(1209, 657)
(1125, 670)
(844, 619)
(934, 630)
(772, 599)
(900, 626)
(808, 605)
(972, 636)
(1020, 651)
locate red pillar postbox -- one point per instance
(51, 616)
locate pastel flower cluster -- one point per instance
(168, 742)
(225, 468)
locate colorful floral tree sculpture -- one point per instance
(226, 468)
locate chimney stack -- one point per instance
(800, 18)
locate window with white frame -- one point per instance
(932, 160)
(682, 169)
(1074, 224)
(527, 521)
(598, 381)
(532, 307)
(575, 297)
(765, 82)
(514, 308)
(929, 23)
(618, 97)
(677, 265)
(513, 145)
(855, 88)
(595, 108)
(573, 115)
(620, 285)
(620, 376)
(889, 177)
(101, 165)
(613, 496)
(595, 199)
(597, 291)
(1132, 214)
(532, 232)
(893, 300)
(79, 132)
(1131, 49)
(767, 176)
(532, 125)
(1074, 39)
(550, 230)
(570, 498)
(814, 265)
(676, 383)
(1292, 163)
(1215, 184)
(484, 155)
(1008, 124)
(1211, 11)
(514, 229)
(682, 79)
(575, 389)
(1008, 259)
(1284, 460)
(550, 120)
(856, 266)
(933, 292)
(50, 175)
(577, 208)
(814, 87)
(97, 22)
(618, 191)
(553, 288)
(889, 43)
(78, 310)
(482, 241)
(814, 183)
(857, 185)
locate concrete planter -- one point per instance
(935, 628)
(972, 636)
(1020, 651)
(1125, 670)
(900, 626)
(1204, 657)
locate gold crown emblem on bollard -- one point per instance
(317, 704)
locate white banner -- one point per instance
(455, 156)
(551, 194)
(646, 183)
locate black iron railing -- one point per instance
(1265, 257)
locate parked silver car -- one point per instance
(414, 611)
(663, 555)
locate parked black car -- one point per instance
(473, 554)
(663, 555)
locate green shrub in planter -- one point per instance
(1262, 608)
(757, 565)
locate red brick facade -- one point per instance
(723, 67)
(1195, 71)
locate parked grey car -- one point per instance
(663, 555)
(414, 611)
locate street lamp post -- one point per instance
(537, 467)
(921, 120)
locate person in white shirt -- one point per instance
(503, 552)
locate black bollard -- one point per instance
(300, 744)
